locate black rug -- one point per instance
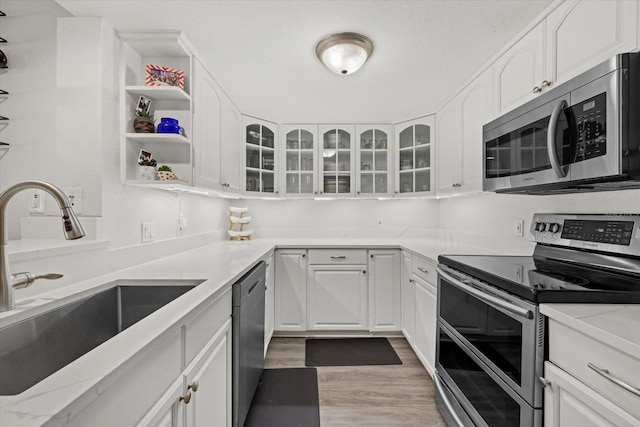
(285, 398)
(350, 352)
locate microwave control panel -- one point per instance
(590, 118)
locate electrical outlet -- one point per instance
(36, 202)
(379, 222)
(518, 229)
(148, 231)
(74, 194)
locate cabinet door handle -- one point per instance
(304, 255)
(194, 386)
(339, 257)
(545, 382)
(545, 83)
(605, 373)
(537, 89)
(423, 270)
(411, 280)
(364, 271)
(372, 256)
(186, 399)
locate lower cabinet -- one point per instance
(408, 289)
(385, 304)
(337, 297)
(269, 301)
(570, 403)
(291, 290)
(425, 317)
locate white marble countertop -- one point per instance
(616, 325)
(218, 265)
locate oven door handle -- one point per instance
(445, 399)
(490, 299)
(551, 140)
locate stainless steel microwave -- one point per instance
(583, 135)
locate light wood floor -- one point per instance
(388, 395)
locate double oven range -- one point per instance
(491, 342)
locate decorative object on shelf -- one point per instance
(3, 60)
(164, 76)
(344, 53)
(146, 167)
(143, 121)
(169, 125)
(165, 173)
(238, 219)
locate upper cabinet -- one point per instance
(581, 34)
(373, 160)
(298, 157)
(459, 135)
(573, 38)
(414, 156)
(160, 49)
(337, 160)
(260, 156)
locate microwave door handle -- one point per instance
(487, 298)
(551, 139)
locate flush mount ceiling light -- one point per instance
(344, 53)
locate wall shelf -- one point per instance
(157, 138)
(160, 93)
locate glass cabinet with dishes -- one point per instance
(259, 156)
(373, 162)
(337, 160)
(298, 160)
(415, 156)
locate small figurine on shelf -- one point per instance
(165, 173)
(237, 218)
(146, 166)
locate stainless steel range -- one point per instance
(491, 336)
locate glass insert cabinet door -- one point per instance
(373, 162)
(415, 174)
(260, 157)
(299, 160)
(337, 159)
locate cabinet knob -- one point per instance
(545, 83)
(186, 399)
(411, 280)
(545, 382)
(372, 256)
(304, 255)
(364, 271)
(194, 386)
(537, 89)
(358, 192)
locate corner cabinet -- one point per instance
(167, 49)
(298, 157)
(415, 155)
(260, 156)
(374, 160)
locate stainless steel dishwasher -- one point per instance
(248, 339)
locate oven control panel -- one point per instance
(608, 233)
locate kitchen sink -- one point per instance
(33, 349)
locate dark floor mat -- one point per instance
(350, 352)
(285, 398)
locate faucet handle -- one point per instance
(25, 279)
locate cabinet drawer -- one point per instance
(337, 256)
(573, 351)
(201, 328)
(425, 269)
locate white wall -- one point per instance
(495, 214)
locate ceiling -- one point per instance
(262, 52)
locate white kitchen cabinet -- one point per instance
(291, 290)
(582, 34)
(426, 315)
(415, 154)
(232, 146)
(570, 403)
(299, 148)
(385, 295)
(167, 49)
(373, 160)
(408, 298)
(260, 156)
(520, 71)
(459, 137)
(207, 396)
(207, 107)
(337, 160)
(270, 294)
(168, 410)
(337, 297)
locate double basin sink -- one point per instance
(34, 348)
